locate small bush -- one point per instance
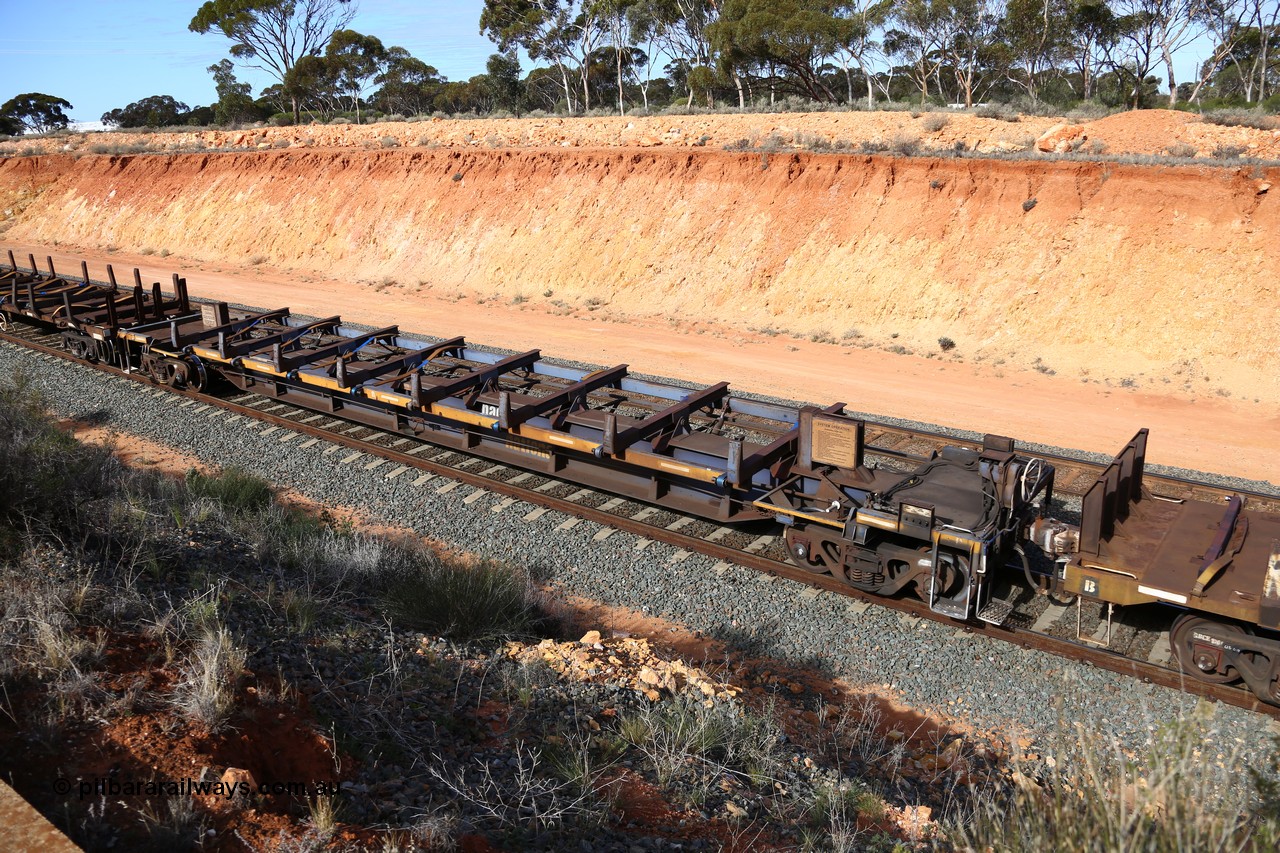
(1165, 798)
(1089, 111)
(176, 825)
(1001, 112)
(905, 145)
(236, 490)
(47, 478)
(873, 146)
(1041, 367)
(1229, 152)
(1181, 149)
(946, 344)
(676, 737)
(934, 122)
(487, 601)
(207, 692)
(1242, 118)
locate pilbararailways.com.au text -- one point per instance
(112, 786)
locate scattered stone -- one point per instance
(244, 785)
(613, 661)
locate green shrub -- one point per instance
(430, 592)
(236, 490)
(1242, 118)
(676, 736)
(905, 145)
(934, 122)
(206, 693)
(1099, 798)
(47, 478)
(1089, 111)
(1002, 112)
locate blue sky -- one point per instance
(102, 55)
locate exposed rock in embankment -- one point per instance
(1112, 268)
(1145, 133)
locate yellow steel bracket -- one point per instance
(1211, 571)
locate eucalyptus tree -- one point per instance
(862, 20)
(680, 29)
(234, 103)
(272, 35)
(1038, 36)
(1093, 31)
(356, 59)
(970, 29)
(1178, 24)
(562, 32)
(918, 37)
(36, 112)
(1256, 56)
(794, 35)
(1136, 52)
(617, 19)
(407, 85)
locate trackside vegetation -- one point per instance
(200, 606)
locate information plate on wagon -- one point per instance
(837, 441)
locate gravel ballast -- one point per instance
(989, 684)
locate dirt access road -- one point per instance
(1227, 436)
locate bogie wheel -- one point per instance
(149, 369)
(946, 576)
(1198, 656)
(810, 550)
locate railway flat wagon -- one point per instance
(949, 528)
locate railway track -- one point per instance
(1074, 632)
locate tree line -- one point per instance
(941, 51)
(622, 55)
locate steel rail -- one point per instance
(1070, 650)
